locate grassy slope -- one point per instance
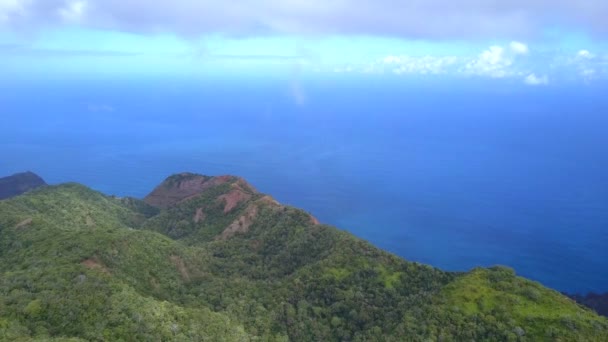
(497, 295)
(75, 263)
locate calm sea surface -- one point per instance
(452, 175)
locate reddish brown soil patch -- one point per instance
(199, 215)
(219, 180)
(242, 184)
(94, 264)
(242, 224)
(183, 187)
(233, 199)
(24, 223)
(181, 267)
(314, 220)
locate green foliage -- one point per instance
(497, 297)
(77, 265)
(138, 206)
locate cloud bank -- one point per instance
(443, 19)
(495, 62)
(514, 61)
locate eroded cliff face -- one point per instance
(19, 183)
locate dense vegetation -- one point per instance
(230, 264)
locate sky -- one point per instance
(532, 43)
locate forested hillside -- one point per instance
(210, 258)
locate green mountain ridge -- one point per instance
(212, 259)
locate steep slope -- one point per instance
(220, 261)
(18, 184)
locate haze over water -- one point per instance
(453, 174)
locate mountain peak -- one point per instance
(19, 183)
(183, 186)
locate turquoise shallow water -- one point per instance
(453, 176)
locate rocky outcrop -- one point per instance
(184, 186)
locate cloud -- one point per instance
(74, 11)
(582, 65)
(516, 61)
(426, 65)
(519, 48)
(497, 61)
(585, 54)
(512, 60)
(588, 65)
(493, 62)
(413, 18)
(534, 80)
(11, 10)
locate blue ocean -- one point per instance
(453, 174)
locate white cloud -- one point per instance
(498, 61)
(10, 9)
(513, 60)
(425, 65)
(519, 48)
(494, 62)
(587, 64)
(535, 80)
(74, 11)
(585, 54)
(580, 65)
